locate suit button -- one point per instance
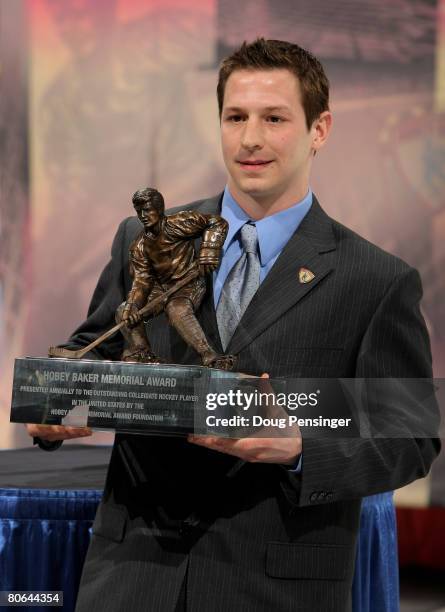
(321, 495)
(313, 496)
(329, 495)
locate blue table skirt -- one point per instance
(376, 579)
(44, 536)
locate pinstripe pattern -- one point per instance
(260, 538)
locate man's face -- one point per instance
(149, 216)
(266, 145)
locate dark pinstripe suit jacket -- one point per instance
(260, 538)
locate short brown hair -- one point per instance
(262, 54)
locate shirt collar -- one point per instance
(273, 232)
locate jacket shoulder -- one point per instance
(366, 255)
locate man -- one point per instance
(161, 256)
(261, 524)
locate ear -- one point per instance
(320, 130)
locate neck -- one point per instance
(258, 206)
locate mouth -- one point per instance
(254, 165)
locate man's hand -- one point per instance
(57, 432)
(130, 314)
(254, 450)
(282, 450)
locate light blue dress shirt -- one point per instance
(274, 232)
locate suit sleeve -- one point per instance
(395, 345)
(110, 292)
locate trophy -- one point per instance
(167, 276)
(141, 393)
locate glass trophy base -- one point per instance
(175, 399)
(112, 395)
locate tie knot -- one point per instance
(249, 238)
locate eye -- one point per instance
(234, 118)
(275, 119)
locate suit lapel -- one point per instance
(282, 287)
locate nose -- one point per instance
(252, 135)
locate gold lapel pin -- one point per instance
(305, 275)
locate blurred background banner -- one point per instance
(102, 98)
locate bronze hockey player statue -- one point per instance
(162, 256)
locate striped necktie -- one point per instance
(240, 286)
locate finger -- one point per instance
(57, 432)
(79, 434)
(42, 431)
(264, 385)
(82, 431)
(66, 435)
(208, 441)
(31, 429)
(230, 446)
(200, 439)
